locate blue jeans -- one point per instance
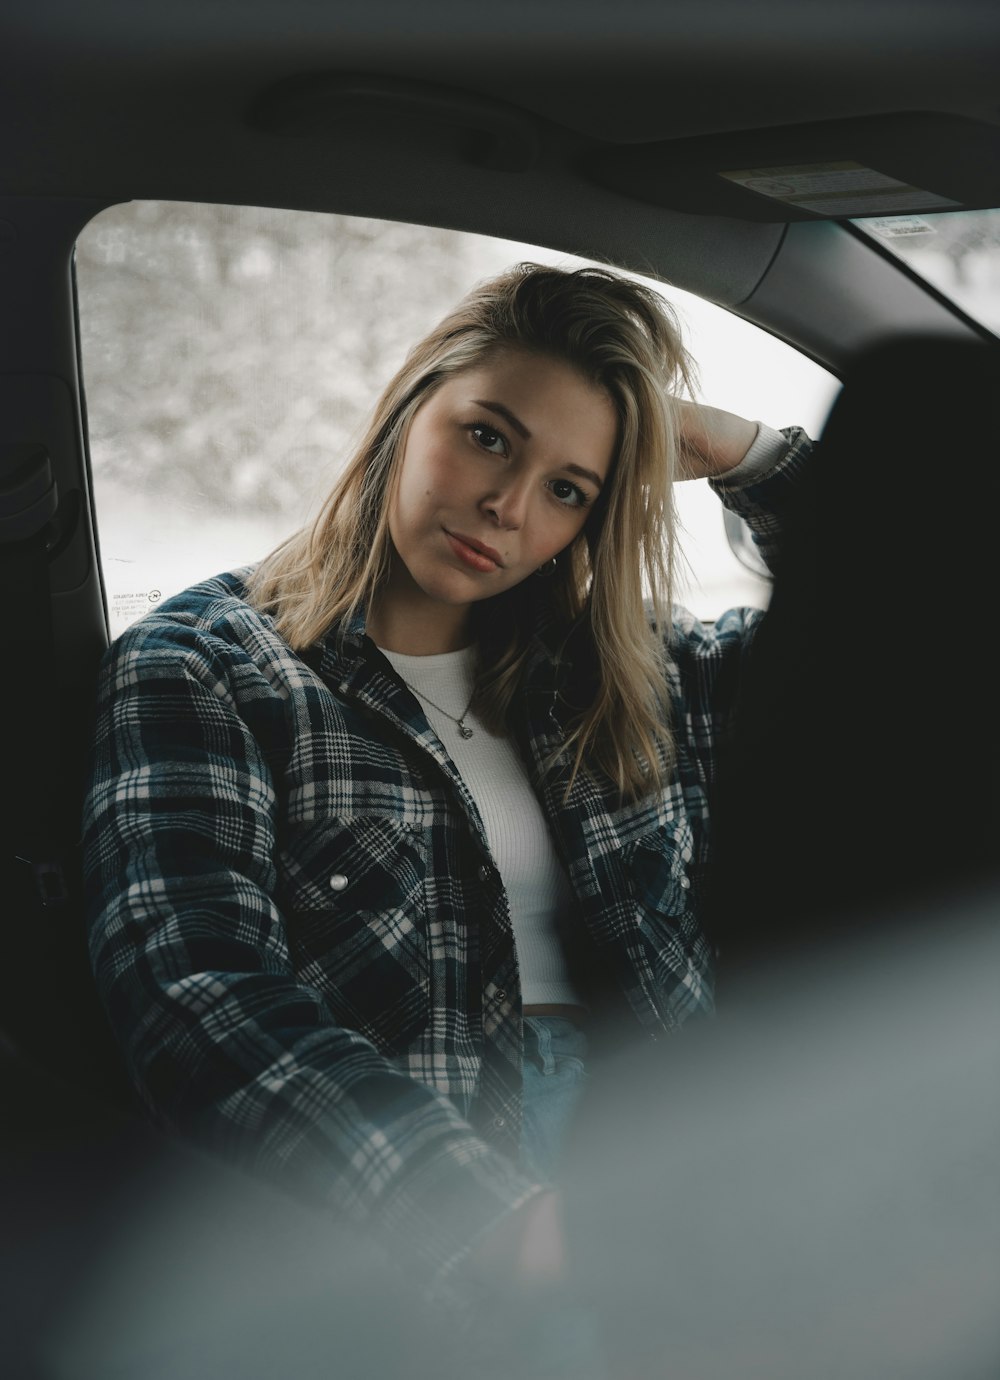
(551, 1336)
(554, 1072)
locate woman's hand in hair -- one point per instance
(712, 441)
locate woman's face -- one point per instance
(500, 468)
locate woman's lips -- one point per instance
(474, 553)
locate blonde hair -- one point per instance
(622, 338)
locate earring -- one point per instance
(547, 570)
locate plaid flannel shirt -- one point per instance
(297, 927)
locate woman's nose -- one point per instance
(507, 506)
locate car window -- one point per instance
(231, 354)
(958, 252)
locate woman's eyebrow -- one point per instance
(525, 434)
(585, 474)
(506, 414)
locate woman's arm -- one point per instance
(222, 1037)
(753, 470)
(712, 441)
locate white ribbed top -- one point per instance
(516, 829)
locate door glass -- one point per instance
(232, 354)
(956, 251)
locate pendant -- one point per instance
(465, 731)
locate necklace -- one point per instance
(463, 727)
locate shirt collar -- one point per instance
(549, 644)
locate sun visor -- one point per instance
(880, 165)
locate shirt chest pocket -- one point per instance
(353, 894)
(656, 866)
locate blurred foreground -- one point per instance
(809, 1186)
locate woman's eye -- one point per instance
(493, 441)
(569, 493)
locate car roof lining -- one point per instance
(627, 107)
(639, 70)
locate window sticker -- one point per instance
(898, 227)
(125, 607)
(836, 189)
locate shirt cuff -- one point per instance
(766, 452)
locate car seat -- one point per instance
(864, 768)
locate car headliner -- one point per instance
(634, 70)
(111, 100)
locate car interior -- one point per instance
(739, 152)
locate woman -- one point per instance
(380, 834)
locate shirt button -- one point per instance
(499, 1122)
(338, 881)
(484, 872)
